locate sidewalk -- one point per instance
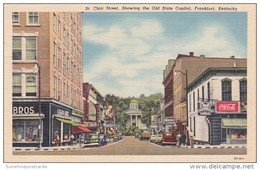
(57, 148)
(221, 146)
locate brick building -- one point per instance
(190, 66)
(47, 72)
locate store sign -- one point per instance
(205, 108)
(17, 110)
(91, 124)
(227, 107)
(63, 113)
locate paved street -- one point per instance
(132, 146)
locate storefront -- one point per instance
(52, 127)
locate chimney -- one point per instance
(202, 56)
(191, 54)
(232, 57)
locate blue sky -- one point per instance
(125, 53)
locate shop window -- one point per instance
(33, 18)
(66, 131)
(24, 48)
(25, 130)
(31, 48)
(56, 129)
(17, 48)
(243, 90)
(15, 17)
(17, 84)
(226, 90)
(31, 85)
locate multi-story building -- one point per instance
(47, 76)
(217, 106)
(183, 71)
(93, 107)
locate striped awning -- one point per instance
(234, 122)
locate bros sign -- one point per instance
(227, 107)
(23, 110)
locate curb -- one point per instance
(212, 147)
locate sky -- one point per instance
(125, 53)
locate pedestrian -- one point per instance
(57, 139)
(178, 137)
(191, 138)
(71, 139)
(182, 139)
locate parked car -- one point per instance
(92, 140)
(158, 138)
(152, 138)
(169, 138)
(137, 135)
(145, 135)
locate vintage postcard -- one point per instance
(130, 83)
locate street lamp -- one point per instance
(186, 85)
(39, 98)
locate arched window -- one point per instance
(226, 90)
(31, 85)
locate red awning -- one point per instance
(79, 129)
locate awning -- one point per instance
(234, 123)
(79, 129)
(28, 117)
(67, 121)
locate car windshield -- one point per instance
(168, 134)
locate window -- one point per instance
(31, 85)
(54, 22)
(64, 92)
(189, 102)
(193, 101)
(59, 58)
(226, 90)
(54, 54)
(59, 89)
(24, 85)
(68, 93)
(17, 84)
(202, 93)
(15, 18)
(64, 64)
(25, 131)
(31, 48)
(24, 48)
(55, 87)
(198, 97)
(33, 18)
(71, 68)
(194, 126)
(59, 28)
(64, 35)
(208, 91)
(17, 48)
(243, 90)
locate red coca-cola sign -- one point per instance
(227, 106)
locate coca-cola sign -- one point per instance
(227, 107)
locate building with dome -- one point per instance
(134, 115)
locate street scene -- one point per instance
(129, 83)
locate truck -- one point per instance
(145, 135)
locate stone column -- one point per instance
(131, 120)
(136, 121)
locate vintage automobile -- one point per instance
(145, 135)
(169, 138)
(158, 138)
(152, 138)
(92, 140)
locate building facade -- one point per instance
(134, 115)
(184, 70)
(47, 76)
(217, 105)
